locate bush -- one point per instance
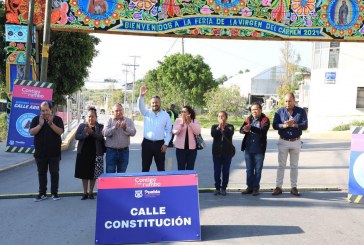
(345, 127)
(358, 123)
(207, 121)
(3, 126)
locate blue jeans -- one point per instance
(221, 165)
(254, 166)
(117, 160)
(186, 159)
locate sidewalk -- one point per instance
(10, 160)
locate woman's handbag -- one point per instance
(200, 143)
(232, 147)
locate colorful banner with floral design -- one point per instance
(244, 19)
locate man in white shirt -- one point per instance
(157, 132)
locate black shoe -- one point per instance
(247, 191)
(223, 192)
(55, 197)
(84, 197)
(91, 196)
(40, 197)
(255, 192)
(216, 192)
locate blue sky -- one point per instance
(224, 56)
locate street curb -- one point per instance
(66, 143)
(16, 164)
(200, 190)
(64, 146)
(270, 189)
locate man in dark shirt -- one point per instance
(254, 144)
(289, 121)
(47, 130)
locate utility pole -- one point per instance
(183, 45)
(29, 43)
(46, 37)
(132, 98)
(126, 82)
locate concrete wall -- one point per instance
(333, 104)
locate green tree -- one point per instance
(289, 61)
(216, 100)
(118, 97)
(70, 57)
(182, 79)
(222, 79)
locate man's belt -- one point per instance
(118, 149)
(292, 139)
(154, 141)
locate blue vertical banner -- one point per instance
(356, 173)
(27, 96)
(147, 207)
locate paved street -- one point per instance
(318, 217)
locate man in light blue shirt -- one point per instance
(157, 132)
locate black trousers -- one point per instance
(152, 149)
(42, 165)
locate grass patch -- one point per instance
(3, 126)
(342, 127)
(347, 126)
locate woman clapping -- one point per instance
(185, 128)
(90, 153)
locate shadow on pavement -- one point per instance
(223, 232)
(336, 200)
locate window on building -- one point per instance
(317, 60)
(334, 54)
(360, 98)
(317, 55)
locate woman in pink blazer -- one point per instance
(185, 129)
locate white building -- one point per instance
(261, 87)
(336, 89)
(243, 81)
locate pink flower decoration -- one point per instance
(234, 32)
(266, 2)
(205, 10)
(246, 12)
(216, 32)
